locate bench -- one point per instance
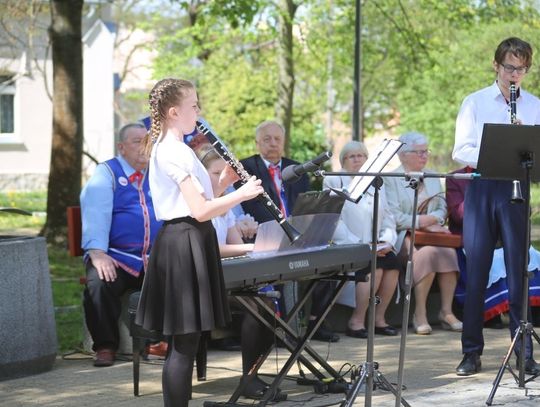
(139, 335)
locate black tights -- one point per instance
(255, 340)
(178, 369)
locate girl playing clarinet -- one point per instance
(183, 291)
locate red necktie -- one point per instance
(136, 176)
(274, 171)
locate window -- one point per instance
(7, 103)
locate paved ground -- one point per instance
(429, 377)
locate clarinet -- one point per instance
(513, 96)
(265, 199)
(517, 197)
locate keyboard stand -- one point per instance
(294, 342)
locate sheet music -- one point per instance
(375, 163)
(317, 231)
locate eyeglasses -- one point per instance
(420, 153)
(355, 156)
(511, 68)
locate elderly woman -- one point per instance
(355, 226)
(428, 260)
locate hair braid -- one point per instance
(165, 94)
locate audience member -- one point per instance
(355, 227)
(255, 338)
(428, 260)
(489, 214)
(267, 166)
(118, 227)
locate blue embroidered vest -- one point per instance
(134, 225)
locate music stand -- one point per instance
(370, 176)
(508, 152)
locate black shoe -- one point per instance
(256, 389)
(494, 323)
(357, 333)
(531, 367)
(470, 365)
(323, 334)
(387, 330)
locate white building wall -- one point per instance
(25, 157)
(27, 152)
(98, 96)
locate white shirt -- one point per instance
(171, 162)
(356, 219)
(277, 176)
(222, 224)
(488, 105)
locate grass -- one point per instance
(67, 297)
(66, 270)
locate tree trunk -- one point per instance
(67, 138)
(284, 108)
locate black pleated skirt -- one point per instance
(183, 289)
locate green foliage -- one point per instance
(419, 59)
(431, 98)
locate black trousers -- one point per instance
(489, 215)
(102, 305)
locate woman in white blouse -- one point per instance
(356, 226)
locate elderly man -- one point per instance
(118, 226)
(268, 166)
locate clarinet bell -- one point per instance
(517, 197)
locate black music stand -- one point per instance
(508, 152)
(370, 176)
(370, 368)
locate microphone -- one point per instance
(293, 173)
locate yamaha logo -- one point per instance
(298, 264)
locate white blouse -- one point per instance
(222, 224)
(355, 223)
(171, 161)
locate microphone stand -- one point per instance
(370, 369)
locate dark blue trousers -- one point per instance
(489, 214)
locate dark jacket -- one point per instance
(254, 165)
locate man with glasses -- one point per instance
(488, 213)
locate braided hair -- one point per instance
(164, 95)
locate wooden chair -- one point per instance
(139, 335)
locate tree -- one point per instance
(284, 104)
(242, 54)
(65, 169)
